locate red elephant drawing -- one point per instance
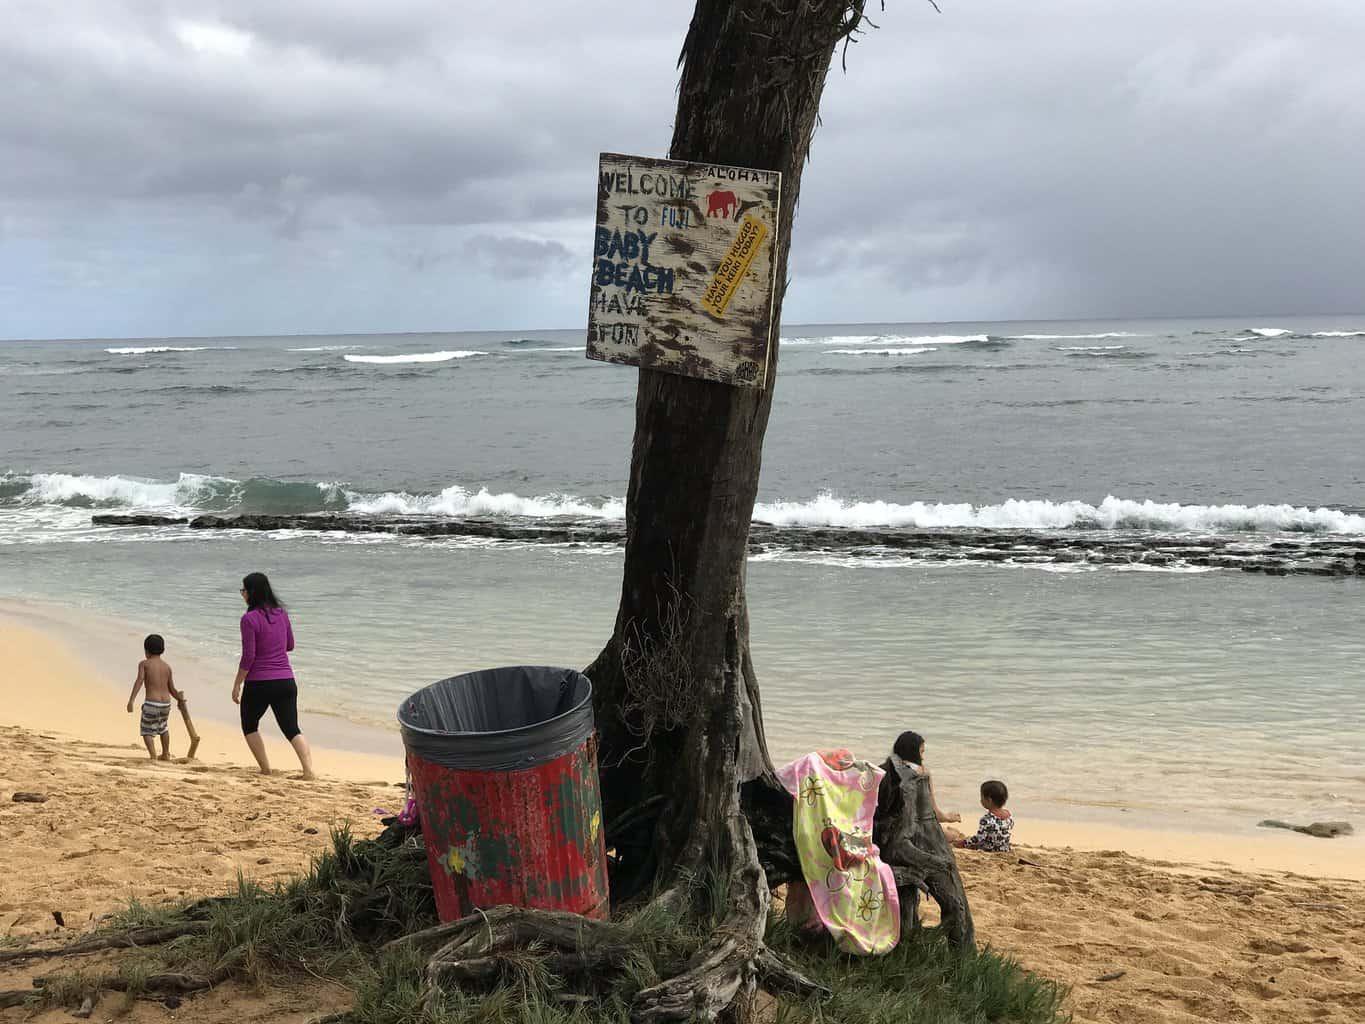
(721, 203)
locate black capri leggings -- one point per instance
(280, 696)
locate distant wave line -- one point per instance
(414, 357)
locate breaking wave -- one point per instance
(1075, 337)
(894, 339)
(1270, 332)
(323, 348)
(1110, 514)
(1337, 334)
(414, 357)
(879, 351)
(459, 501)
(143, 350)
(191, 492)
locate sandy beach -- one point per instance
(1202, 927)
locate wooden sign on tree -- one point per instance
(683, 269)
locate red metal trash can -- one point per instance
(504, 770)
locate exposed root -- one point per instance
(14, 997)
(157, 984)
(168, 984)
(121, 940)
(504, 927)
(777, 976)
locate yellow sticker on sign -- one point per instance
(716, 299)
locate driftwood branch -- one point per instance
(160, 984)
(121, 940)
(912, 841)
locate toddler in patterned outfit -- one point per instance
(993, 831)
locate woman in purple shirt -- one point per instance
(267, 639)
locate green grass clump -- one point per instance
(358, 895)
(922, 981)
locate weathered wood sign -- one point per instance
(682, 269)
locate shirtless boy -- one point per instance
(156, 676)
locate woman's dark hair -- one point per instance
(258, 592)
(995, 792)
(908, 746)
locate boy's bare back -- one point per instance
(156, 677)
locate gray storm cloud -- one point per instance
(205, 167)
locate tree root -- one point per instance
(777, 976)
(14, 997)
(507, 927)
(121, 940)
(480, 950)
(159, 984)
(169, 984)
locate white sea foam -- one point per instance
(125, 491)
(414, 357)
(142, 350)
(323, 348)
(1087, 348)
(842, 339)
(1183, 570)
(1338, 334)
(891, 339)
(1269, 332)
(879, 351)
(192, 491)
(459, 501)
(1111, 514)
(1075, 337)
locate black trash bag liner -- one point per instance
(500, 719)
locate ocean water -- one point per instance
(1152, 688)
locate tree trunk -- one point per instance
(676, 696)
(679, 722)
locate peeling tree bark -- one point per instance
(912, 841)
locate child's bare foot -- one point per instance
(309, 777)
(164, 757)
(194, 745)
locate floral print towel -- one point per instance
(853, 892)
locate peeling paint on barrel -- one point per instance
(530, 837)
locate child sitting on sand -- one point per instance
(993, 831)
(156, 675)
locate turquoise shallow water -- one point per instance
(1088, 689)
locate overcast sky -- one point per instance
(181, 167)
